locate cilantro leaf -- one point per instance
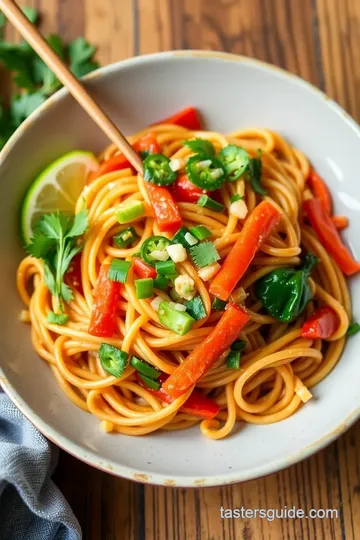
(204, 254)
(80, 224)
(49, 279)
(41, 246)
(33, 77)
(55, 242)
(80, 57)
(7, 126)
(18, 58)
(57, 318)
(42, 73)
(354, 328)
(2, 24)
(201, 146)
(23, 105)
(31, 13)
(254, 174)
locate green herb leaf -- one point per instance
(254, 174)
(204, 254)
(196, 308)
(201, 146)
(55, 242)
(23, 105)
(80, 57)
(2, 24)
(30, 13)
(57, 318)
(354, 328)
(236, 197)
(42, 73)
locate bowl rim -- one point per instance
(93, 458)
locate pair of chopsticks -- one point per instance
(31, 34)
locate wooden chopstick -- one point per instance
(31, 34)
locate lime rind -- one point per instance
(55, 188)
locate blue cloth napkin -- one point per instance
(31, 506)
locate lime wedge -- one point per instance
(57, 188)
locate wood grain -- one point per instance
(317, 39)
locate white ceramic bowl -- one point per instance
(231, 92)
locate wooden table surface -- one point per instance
(319, 40)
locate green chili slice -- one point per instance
(235, 161)
(206, 172)
(144, 368)
(150, 383)
(151, 245)
(157, 170)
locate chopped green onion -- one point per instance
(200, 146)
(172, 277)
(200, 232)
(196, 308)
(179, 322)
(57, 318)
(157, 170)
(161, 282)
(236, 197)
(112, 359)
(254, 174)
(204, 254)
(354, 328)
(165, 267)
(235, 161)
(218, 305)
(144, 288)
(152, 248)
(190, 239)
(125, 238)
(180, 238)
(233, 360)
(174, 295)
(144, 368)
(209, 203)
(150, 383)
(130, 210)
(238, 345)
(119, 270)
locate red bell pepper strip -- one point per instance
(73, 275)
(197, 404)
(322, 224)
(202, 358)
(340, 222)
(166, 211)
(322, 324)
(103, 315)
(263, 219)
(147, 143)
(185, 191)
(142, 269)
(320, 190)
(187, 118)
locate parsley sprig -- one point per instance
(55, 241)
(35, 82)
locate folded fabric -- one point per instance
(31, 506)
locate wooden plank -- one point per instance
(339, 29)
